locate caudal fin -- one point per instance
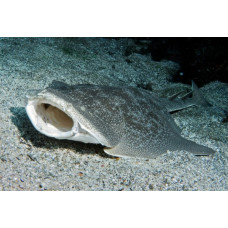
(194, 97)
(198, 98)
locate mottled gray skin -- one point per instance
(133, 122)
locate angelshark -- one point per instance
(127, 121)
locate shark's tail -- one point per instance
(197, 97)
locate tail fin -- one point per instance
(195, 97)
(198, 97)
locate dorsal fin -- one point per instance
(187, 95)
(175, 95)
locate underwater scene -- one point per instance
(113, 114)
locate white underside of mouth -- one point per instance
(52, 120)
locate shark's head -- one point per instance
(55, 117)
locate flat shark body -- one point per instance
(128, 121)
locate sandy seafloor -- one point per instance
(32, 161)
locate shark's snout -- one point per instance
(53, 119)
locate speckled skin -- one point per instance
(128, 121)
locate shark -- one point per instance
(127, 121)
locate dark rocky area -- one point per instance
(201, 59)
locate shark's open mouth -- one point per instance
(54, 117)
(50, 119)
